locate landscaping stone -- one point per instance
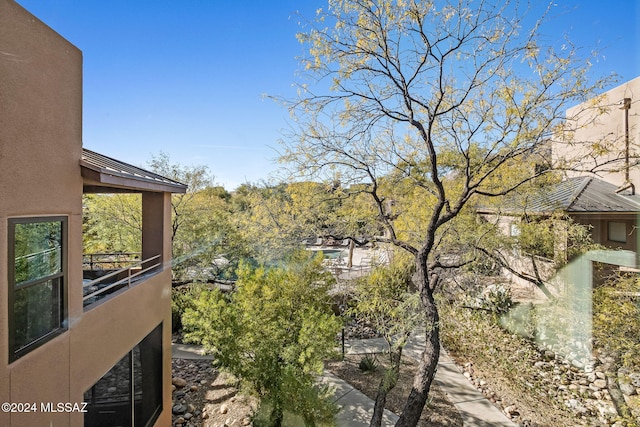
(179, 382)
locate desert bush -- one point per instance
(273, 333)
(616, 320)
(368, 363)
(182, 298)
(495, 298)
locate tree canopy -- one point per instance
(452, 102)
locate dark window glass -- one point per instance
(109, 400)
(149, 378)
(36, 312)
(130, 394)
(617, 231)
(37, 265)
(38, 250)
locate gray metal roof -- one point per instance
(596, 195)
(109, 172)
(574, 195)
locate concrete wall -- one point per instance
(40, 151)
(595, 136)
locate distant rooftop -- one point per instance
(574, 195)
(103, 171)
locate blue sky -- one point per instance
(188, 77)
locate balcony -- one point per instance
(105, 274)
(149, 215)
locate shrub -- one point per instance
(368, 363)
(616, 320)
(182, 298)
(273, 333)
(493, 298)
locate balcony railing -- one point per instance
(110, 261)
(112, 280)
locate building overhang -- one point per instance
(102, 174)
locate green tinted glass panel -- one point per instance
(36, 312)
(38, 250)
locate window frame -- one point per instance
(59, 281)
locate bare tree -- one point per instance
(451, 97)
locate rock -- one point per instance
(178, 382)
(246, 421)
(600, 384)
(179, 409)
(188, 416)
(511, 411)
(223, 409)
(635, 379)
(193, 388)
(627, 389)
(180, 420)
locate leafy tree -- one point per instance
(262, 215)
(385, 300)
(447, 100)
(112, 223)
(272, 333)
(201, 222)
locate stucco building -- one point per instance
(602, 138)
(100, 345)
(601, 141)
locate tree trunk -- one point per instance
(386, 385)
(428, 363)
(378, 408)
(352, 245)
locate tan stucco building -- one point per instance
(99, 345)
(602, 137)
(601, 141)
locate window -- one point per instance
(37, 286)
(617, 232)
(130, 394)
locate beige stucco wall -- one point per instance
(40, 147)
(595, 136)
(600, 229)
(40, 151)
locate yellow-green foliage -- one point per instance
(183, 297)
(385, 300)
(272, 333)
(616, 319)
